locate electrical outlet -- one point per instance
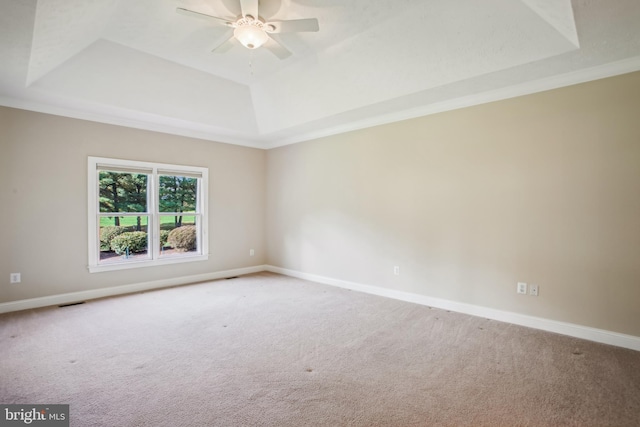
(533, 290)
(14, 278)
(252, 252)
(396, 270)
(522, 288)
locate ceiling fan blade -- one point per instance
(293, 26)
(214, 19)
(225, 46)
(277, 49)
(249, 7)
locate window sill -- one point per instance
(146, 263)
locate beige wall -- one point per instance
(44, 201)
(543, 189)
(5, 191)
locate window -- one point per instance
(143, 214)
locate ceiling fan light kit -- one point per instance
(252, 32)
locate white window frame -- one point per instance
(153, 213)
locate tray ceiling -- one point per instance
(140, 64)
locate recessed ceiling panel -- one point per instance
(427, 46)
(141, 64)
(111, 74)
(559, 14)
(63, 28)
(16, 34)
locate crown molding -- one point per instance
(625, 66)
(136, 120)
(155, 123)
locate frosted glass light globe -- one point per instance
(250, 36)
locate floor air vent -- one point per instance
(73, 303)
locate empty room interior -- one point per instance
(320, 212)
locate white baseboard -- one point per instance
(570, 329)
(124, 289)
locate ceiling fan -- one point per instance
(252, 31)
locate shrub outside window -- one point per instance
(144, 214)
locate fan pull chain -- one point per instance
(251, 63)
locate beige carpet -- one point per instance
(268, 350)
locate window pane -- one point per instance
(122, 192)
(177, 193)
(178, 235)
(124, 239)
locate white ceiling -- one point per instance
(140, 64)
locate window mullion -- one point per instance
(152, 206)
